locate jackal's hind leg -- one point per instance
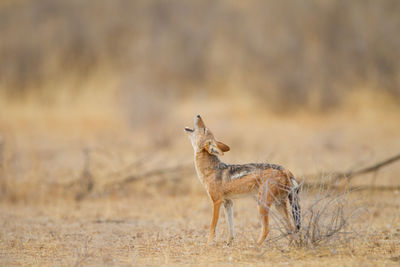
(264, 217)
(265, 200)
(284, 212)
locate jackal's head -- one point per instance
(203, 139)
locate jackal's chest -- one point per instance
(200, 176)
(210, 183)
(205, 178)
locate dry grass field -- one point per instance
(96, 170)
(64, 201)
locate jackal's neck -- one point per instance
(206, 163)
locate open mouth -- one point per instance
(187, 129)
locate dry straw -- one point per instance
(326, 219)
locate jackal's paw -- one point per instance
(294, 238)
(260, 242)
(229, 242)
(211, 243)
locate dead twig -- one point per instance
(83, 254)
(381, 188)
(3, 184)
(86, 182)
(151, 173)
(337, 176)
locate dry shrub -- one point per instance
(326, 218)
(287, 54)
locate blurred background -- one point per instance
(93, 93)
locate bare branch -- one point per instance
(336, 176)
(151, 173)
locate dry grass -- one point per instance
(143, 230)
(50, 158)
(288, 55)
(326, 219)
(95, 168)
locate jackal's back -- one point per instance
(246, 179)
(236, 171)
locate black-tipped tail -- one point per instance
(294, 203)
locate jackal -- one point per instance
(272, 184)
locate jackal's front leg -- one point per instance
(228, 205)
(214, 221)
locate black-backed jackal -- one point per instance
(223, 182)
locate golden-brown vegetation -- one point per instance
(291, 55)
(50, 216)
(95, 168)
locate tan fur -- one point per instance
(223, 182)
(223, 147)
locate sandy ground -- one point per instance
(163, 219)
(139, 230)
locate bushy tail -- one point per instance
(294, 203)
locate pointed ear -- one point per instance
(199, 123)
(212, 148)
(223, 147)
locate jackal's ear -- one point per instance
(223, 147)
(212, 148)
